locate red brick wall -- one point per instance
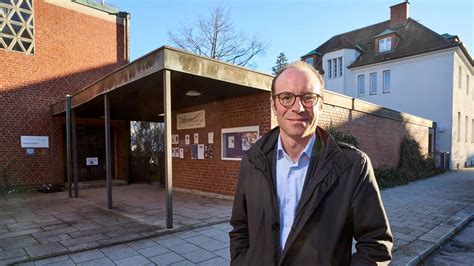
(378, 136)
(216, 175)
(72, 50)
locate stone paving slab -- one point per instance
(36, 225)
(422, 214)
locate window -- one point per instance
(467, 85)
(329, 68)
(309, 61)
(465, 130)
(361, 85)
(340, 66)
(459, 127)
(460, 77)
(472, 131)
(386, 81)
(373, 83)
(334, 63)
(385, 44)
(17, 26)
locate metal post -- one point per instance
(54, 164)
(168, 159)
(74, 153)
(108, 151)
(68, 143)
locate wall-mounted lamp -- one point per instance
(193, 93)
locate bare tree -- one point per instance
(215, 36)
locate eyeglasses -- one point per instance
(288, 99)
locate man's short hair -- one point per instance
(301, 65)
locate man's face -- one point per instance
(298, 121)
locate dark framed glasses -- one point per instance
(288, 99)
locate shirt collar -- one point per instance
(306, 152)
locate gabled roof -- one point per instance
(415, 39)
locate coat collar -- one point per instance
(326, 166)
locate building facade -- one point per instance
(48, 49)
(403, 65)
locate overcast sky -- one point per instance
(292, 27)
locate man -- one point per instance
(301, 197)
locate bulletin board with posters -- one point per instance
(235, 142)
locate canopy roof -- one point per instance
(136, 89)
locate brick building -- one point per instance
(216, 110)
(48, 49)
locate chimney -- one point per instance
(399, 13)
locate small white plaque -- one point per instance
(187, 141)
(34, 142)
(92, 161)
(230, 142)
(210, 137)
(196, 138)
(175, 139)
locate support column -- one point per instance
(108, 150)
(74, 154)
(54, 164)
(168, 159)
(68, 144)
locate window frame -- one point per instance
(467, 84)
(460, 78)
(459, 128)
(466, 131)
(341, 70)
(373, 85)
(385, 44)
(384, 89)
(19, 21)
(330, 68)
(360, 78)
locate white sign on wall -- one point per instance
(34, 142)
(92, 161)
(191, 120)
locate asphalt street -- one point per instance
(459, 250)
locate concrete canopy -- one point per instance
(149, 89)
(136, 89)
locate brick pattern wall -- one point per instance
(378, 136)
(216, 175)
(72, 50)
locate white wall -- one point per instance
(420, 85)
(463, 102)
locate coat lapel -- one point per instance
(327, 165)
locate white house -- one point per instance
(403, 65)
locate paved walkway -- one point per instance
(422, 214)
(36, 225)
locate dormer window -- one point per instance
(385, 44)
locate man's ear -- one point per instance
(272, 103)
(321, 104)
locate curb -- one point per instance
(417, 250)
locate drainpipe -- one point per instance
(126, 20)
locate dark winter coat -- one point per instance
(340, 201)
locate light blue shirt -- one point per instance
(290, 178)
